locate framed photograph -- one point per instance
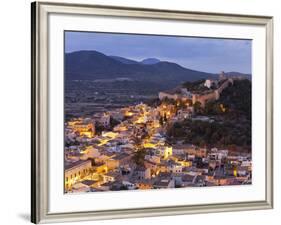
(147, 112)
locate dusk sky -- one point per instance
(202, 54)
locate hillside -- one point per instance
(231, 127)
(92, 65)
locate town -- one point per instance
(129, 148)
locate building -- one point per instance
(80, 187)
(190, 150)
(103, 120)
(210, 83)
(222, 76)
(123, 158)
(216, 154)
(90, 153)
(75, 171)
(188, 180)
(164, 151)
(174, 167)
(142, 173)
(83, 127)
(111, 176)
(183, 114)
(112, 163)
(164, 180)
(144, 184)
(184, 180)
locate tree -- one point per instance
(138, 157)
(161, 121)
(113, 122)
(197, 107)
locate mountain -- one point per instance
(150, 61)
(93, 65)
(124, 60)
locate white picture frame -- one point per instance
(49, 20)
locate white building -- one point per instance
(209, 83)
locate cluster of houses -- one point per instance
(134, 153)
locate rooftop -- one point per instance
(70, 165)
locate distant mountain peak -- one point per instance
(150, 61)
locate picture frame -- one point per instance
(40, 98)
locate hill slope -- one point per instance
(92, 65)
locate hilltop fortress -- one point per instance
(210, 91)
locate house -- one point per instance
(123, 158)
(174, 167)
(164, 180)
(164, 151)
(183, 114)
(105, 120)
(90, 183)
(117, 115)
(210, 83)
(151, 165)
(200, 181)
(90, 153)
(216, 154)
(212, 164)
(144, 184)
(74, 171)
(83, 127)
(128, 185)
(164, 183)
(188, 180)
(112, 164)
(111, 176)
(152, 158)
(181, 149)
(100, 168)
(142, 173)
(242, 171)
(80, 187)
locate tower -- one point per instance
(222, 75)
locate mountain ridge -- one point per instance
(92, 65)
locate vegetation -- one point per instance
(232, 120)
(138, 157)
(211, 133)
(113, 122)
(153, 102)
(195, 86)
(238, 98)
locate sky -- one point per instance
(203, 54)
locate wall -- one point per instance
(15, 109)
